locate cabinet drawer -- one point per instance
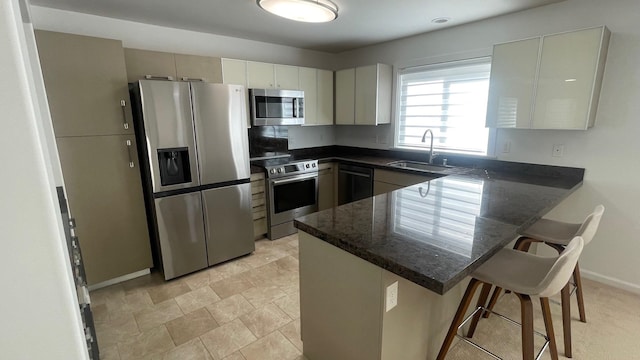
(325, 166)
(257, 187)
(257, 199)
(259, 212)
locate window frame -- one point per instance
(423, 65)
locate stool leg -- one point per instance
(527, 326)
(482, 301)
(493, 301)
(566, 319)
(457, 319)
(578, 280)
(548, 324)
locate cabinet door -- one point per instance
(326, 189)
(105, 196)
(324, 113)
(141, 63)
(260, 75)
(234, 72)
(366, 100)
(568, 67)
(383, 94)
(86, 83)
(204, 68)
(287, 77)
(308, 84)
(513, 73)
(345, 96)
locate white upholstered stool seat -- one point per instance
(556, 232)
(525, 275)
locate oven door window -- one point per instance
(275, 107)
(294, 195)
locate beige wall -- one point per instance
(608, 151)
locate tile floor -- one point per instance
(249, 309)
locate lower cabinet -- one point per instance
(258, 205)
(102, 180)
(385, 181)
(326, 186)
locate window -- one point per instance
(451, 100)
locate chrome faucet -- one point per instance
(424, 137)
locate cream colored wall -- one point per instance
(608, 151)
(40, 315)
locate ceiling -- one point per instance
(360, 22)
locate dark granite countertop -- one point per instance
(436, 233)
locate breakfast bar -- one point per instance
(382, 277)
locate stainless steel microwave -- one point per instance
(276, 107)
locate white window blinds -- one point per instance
(451, 100)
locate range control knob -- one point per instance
(313, 165)
(273, 171)
(307, 166)
(280, 170)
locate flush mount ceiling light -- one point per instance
(440, 20)
(313, 11)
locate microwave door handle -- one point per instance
(295, 107)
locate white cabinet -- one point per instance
(260, 75)
(326, 186)
(287, 77)
(552, 82)
(345, 96)
(324, 113)
(363, 95)
(234, 72)
(272, 76)
(317, 85)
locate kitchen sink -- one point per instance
(432, 168)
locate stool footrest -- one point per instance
(483, 309)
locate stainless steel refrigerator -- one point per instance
(193, 139)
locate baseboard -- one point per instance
(620, 284)
(120, 279)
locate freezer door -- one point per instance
(181, 234)
(219, 113)
(168, 125)
(228, 222)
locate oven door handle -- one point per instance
(295, 179)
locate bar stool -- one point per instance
(557, 235)
(528, 275)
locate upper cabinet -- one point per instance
(234, 72)
(194, 67)
(551, 82)
(86, 82)
(363, 95)
(143, 64)
(317, 85)
(272, 76)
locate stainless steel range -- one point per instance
(292, 191)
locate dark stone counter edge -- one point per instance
(429, 283)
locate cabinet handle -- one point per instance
(185, 78)
(123, 105)
(155, 77)
(129, 152)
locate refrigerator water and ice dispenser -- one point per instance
(174, 166)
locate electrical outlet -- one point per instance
(392, 296)
(558, 150)
(506, 147)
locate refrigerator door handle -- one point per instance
(131, 164)
(125, 123)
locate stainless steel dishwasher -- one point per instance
(354, 183)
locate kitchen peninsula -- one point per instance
(428, 238)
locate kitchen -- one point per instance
(601, 150)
